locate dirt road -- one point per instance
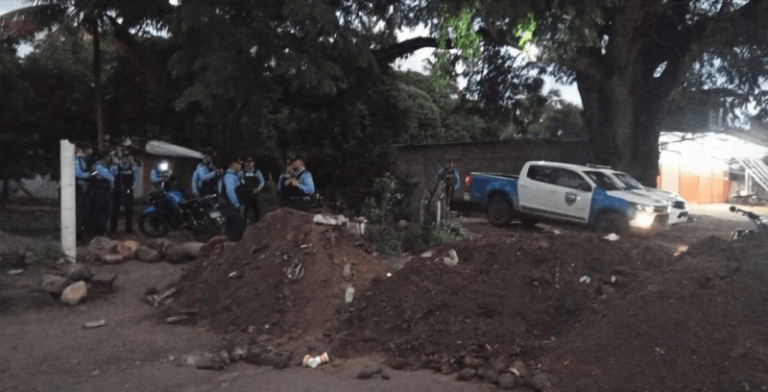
(45, 348)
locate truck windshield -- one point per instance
(602, 180)
(628, 182)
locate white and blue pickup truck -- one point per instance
(565, 192)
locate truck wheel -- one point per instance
(611, 222)
(499, 211)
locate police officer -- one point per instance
(100, 192)
(126, 177)
(446, 182)
(204, 178)
(253, 182)
(299, 190)
(287, 174)
(228, 189)
(82, 173)
(159, 174)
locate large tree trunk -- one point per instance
(97, 83)
(623, 98)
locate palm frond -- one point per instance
(30, 20)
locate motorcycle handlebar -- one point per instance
(749, 214)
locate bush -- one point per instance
(415, 239)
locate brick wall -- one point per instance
(421, 163)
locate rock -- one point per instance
(159, 245)
(95, 324)
(446, 369)
(488, 375)
(277, 359)
(147, 255)
(541, 382)
(466, 374)
(77, 271)
(452, 258)
(103, 244)
(112, 259)
(193, 249)
(214, 246)
(426, 254)
(127, 249)
(102, 282)
(54, 284)
(396, 363)
(506, 381)
(365, 375)
(177, 254)
(347, 274)
(472, 362)
(520, 370)
(75, 293)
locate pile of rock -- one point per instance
(107, 251)
(498, 372)
(73, 283)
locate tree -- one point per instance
(93, 17)
(637, 53)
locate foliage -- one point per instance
(456, 27)
(416, 238)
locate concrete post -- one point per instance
(68, 206)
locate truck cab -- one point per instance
(566, 192)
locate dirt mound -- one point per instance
(248, 288)
(700, 325)
(501, 302)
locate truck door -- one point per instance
(536, 191)
(572, 195)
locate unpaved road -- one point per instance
(46, 349)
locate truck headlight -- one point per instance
(642, 207)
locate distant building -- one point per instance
(707, 168)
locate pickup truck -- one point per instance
(565, 192)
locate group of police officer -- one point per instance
(238, 188)
(102, 187)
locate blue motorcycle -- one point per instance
(170, 210)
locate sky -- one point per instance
(413, 63)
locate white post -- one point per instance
(439, 202)
(68, 206)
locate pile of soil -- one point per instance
(502, 301)
(594, 315)
(247, 289)
(701, 324)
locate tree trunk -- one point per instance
(97, 83)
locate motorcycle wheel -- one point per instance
(154, 225)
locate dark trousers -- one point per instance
(81, 210)
(251, 206)
(124, 199)
(99, 210)
(235, 223)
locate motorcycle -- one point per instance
(169, 210)
(761, 227)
